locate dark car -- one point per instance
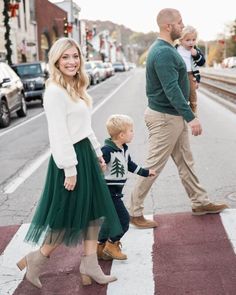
(92, 72)
(11, 95)
(33, 76)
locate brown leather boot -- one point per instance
(91, 270)
(209, 208)
(34, 262)
(141, 222)
(114, 250)
(100, 253)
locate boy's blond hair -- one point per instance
(188, 30)
(118, 123)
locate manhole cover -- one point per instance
(231, 196)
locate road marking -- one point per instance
(228, 218)
(10, 276)
(21, 124)
(29, 170)
(135, 275)
(25, 173)
(110, 95)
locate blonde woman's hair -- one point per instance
(118, 123)
(78, 88)
(188, 30)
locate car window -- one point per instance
(8, 72)
(29, 70)
(1, 74)
(88, 66)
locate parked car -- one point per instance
(33, 76)
(11, 95)
(92, 72)
(118, 67)
(102, 71)
(109, 69)
(232, 62)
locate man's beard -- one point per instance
(174, 34)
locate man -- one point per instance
(167, 117)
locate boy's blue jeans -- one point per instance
(123, 214)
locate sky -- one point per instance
(208, 17)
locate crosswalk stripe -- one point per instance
(228, 218)
(10, 276)
(135, 275)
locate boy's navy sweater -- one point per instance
(118, 164)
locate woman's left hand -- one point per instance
(70, 182)
(102, 163)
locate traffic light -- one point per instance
(65, 27)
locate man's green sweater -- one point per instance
(167, 84)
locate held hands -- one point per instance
(152, 173)
(195, 127)
(102, 164)
(70, 182)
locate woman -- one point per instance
(75, 199)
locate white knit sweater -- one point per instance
(68, 123)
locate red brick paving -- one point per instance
(192, 255)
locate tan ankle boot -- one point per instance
(34, 262)
(114, 250)
(101, 254)
(91, 270)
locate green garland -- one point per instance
(7, 33)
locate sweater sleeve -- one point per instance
(199, 58)
(60, 142)
(134, 168)
(96, 145)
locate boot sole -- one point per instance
(113, 257)
(206, 212)
(143, 227)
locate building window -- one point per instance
(32, 10)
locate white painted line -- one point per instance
(10, 275)
(27, 172)
(228, 218)
(21, 124)
(110, 95)
(135, 275)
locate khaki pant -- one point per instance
(193, 93)
(168, 136)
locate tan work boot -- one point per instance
(101, 254)
(141, 222)
(114, 250)
(209, 208)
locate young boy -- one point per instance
(118, 160)
(193, 58)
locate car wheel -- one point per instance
(22, 112)
(5, 116)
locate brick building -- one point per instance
(50, 25)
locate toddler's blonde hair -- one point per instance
(118, 123)
(188, 30)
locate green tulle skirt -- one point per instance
(68, 217)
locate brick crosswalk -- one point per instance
(184, 255)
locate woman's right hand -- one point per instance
(70, 182)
